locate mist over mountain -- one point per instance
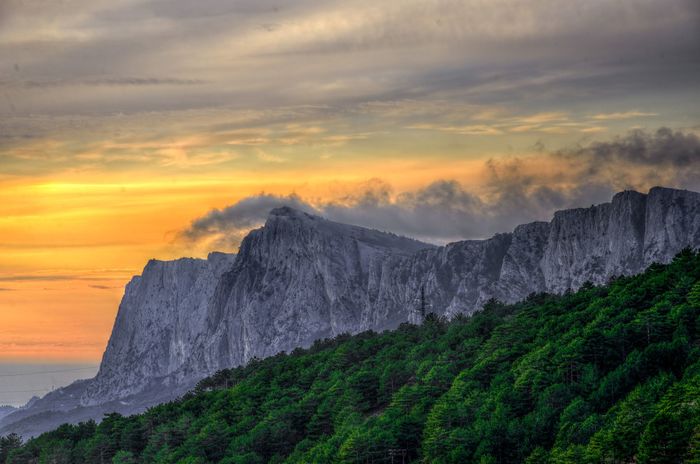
(301, 278)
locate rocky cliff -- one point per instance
(160, 318)
(297, 279)
(300, 278)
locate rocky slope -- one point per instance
(301, 277)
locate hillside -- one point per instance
(608, 373)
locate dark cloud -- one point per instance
(445, 211)
(663, 157)
(441, 212)
(514, 192)
(664, 147)
(227, 226)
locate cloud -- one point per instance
(103, 287)
(48, 277)
(622, 115)
(224, 228)
(547, 123)
(593, 129)
(474, 129)
(541, 118)
(441, 212)
(269, 158)
(110, 81)
(661, 149)
(352, 52)
(515, 191)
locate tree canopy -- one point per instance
(604, 374)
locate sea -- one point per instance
(19, 382)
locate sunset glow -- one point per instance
(122, 123)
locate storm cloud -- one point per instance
(665, 147)
(639, 158)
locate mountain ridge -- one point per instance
(300, 278)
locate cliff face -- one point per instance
(521, 271)
(161, 316)
(619, 238)
(300, 278)
(297, 279)
(595, 243)
(672, 221)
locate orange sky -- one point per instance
(68, 246)
(122, 122)
(70, 242)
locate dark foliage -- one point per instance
(605, 374)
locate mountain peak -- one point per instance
(288, 211)
(292, 221)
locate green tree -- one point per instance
(124, 457)
(8, 444)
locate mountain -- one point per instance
(297, 279)
(605, 374)
(300, 278)
(5, 410)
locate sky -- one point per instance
(140, 129)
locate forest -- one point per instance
(604, 374)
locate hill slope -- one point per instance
(604, 374)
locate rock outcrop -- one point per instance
(300, 278)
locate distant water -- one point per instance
(19, 382)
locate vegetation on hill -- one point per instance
(605, 374)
